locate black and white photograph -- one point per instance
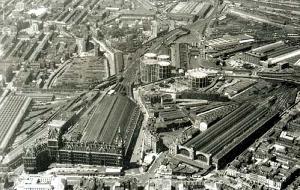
(149, 94)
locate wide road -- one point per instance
(139, 145)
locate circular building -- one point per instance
(163, 58)
(152, 56)
(164, 69)
(149, 70)
(198, 79)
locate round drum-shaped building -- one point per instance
(164, 70)
(163, 58)
(149, 70)
(150, 56)
(198, 79)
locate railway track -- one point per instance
(220, 126)
(235, 131)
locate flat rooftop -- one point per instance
(190, 7)
(268, 47)
(229, 41)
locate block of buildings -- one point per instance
(41, 182)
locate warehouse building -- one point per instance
(260, 54)
(171, 118)
(272, 54)
(128, 15)
(229, 41)
(189, 11)
(291, 56)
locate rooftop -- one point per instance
(137, 12)
(37, 181)
(150, 61)
(229, 40)
(297, 63)
(11, 112)
(268, 47)
(285, 56)
(111, 116)
(197, 74)
(164, 63)
(150, 55)
(163, 57)
(56, 123)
